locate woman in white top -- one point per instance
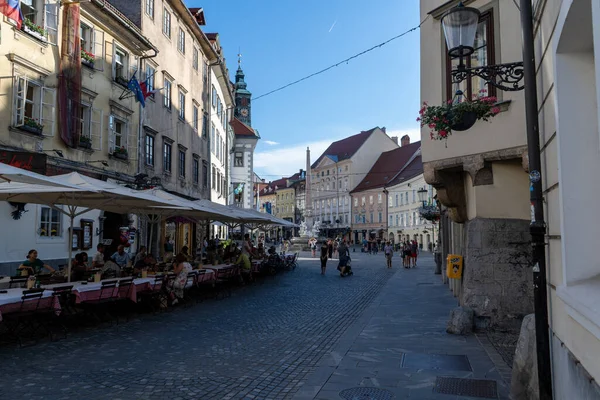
(181, 268)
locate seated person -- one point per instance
(98, 260)
(185, 253)
(140, 255)
(121, 258)
(79, 267)
(146, 263)
(33, 264)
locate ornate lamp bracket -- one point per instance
(508, 77)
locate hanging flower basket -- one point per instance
(32, 126)
(430, 213)
(457, 115)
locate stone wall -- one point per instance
(497, 278)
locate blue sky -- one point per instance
(282, 41)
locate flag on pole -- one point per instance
(147, 93)
(12, 10)
(135, 87)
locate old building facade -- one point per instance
(56, 123)
(479, 174)
(336, 173)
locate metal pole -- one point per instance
(538, 225)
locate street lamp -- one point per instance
(460, 29)
(422, 193)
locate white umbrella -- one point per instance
(81, 194)
(8, 173)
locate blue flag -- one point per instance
(135, 87)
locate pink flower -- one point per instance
(443, 133)
(432, 126)
(495, 110)
(418, 119)
(435, 118)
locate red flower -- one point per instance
(495, 110)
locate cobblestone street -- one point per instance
(260, 343)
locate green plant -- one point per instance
(120, 150)
(36, 28)
(441, 119)
(87, 56)
(32, 123)
(84, 139)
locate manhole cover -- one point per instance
(466, 387)
(366, 393)
(436, 362)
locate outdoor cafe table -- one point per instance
(207, 276)
(223, 271)
(11, 301)
(91, 291)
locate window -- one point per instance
(204, 174)
(86, 37)
(239, 159)
(195, 116)
(204, 72)
(167, 94)
(50, 222)
(414, 196)
(181, 163)
(397, 219)
(333, 185)
(150, 8)
(195, 59)
(414, 218)
(483, 55)
(205, 126)
(364, 219)
(34, 103)
(406, 197)
(363, 201)
(149, 150)
(213, 137)
(166, 23)
(370, 199)
(219, 107)
(379, 197)
(150, 72)
(214, 97)
(371, 217)
(117, 128)
(396, 199)
(214, 177)
(181, 41)
(346, 218)
(218, 181)
(380, 217)
(120, 64)
(181, 105)
(356, 202)
(167, 153)
(196, 170)
(391, 221)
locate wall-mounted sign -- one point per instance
(33, 162)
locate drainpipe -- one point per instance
(538, 225)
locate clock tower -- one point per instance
(242, 96)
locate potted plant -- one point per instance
(121, 81)
(87, 58)
(430, 213)
(34, 30)
(120, 152)
(85, 142)
(457, 115)
(32, 126)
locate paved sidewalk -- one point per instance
(399, 345)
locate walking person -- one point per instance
(324, 253)
(344, 257)
(406, 254)
(330, 248)
(414, 252)
(388, 250)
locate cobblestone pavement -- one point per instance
(259, 344)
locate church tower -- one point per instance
(242, 111)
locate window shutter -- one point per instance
(131, 141)
(96, 128)
(47, 111)
(98, 38)
(111, 134)
(19, 100)
(51, 20)
(114, 60)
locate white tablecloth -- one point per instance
(14, 295)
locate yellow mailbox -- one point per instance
(454, 266)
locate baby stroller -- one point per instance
(344, 267)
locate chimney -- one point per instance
(383, 129)
(405, 140)
(395, 139)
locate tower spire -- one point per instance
(239, 58)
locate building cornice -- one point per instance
(26, 63)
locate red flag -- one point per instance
(12, 10)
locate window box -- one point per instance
(85, 142)
(34, 30)
(32, 126)
(121, 156)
